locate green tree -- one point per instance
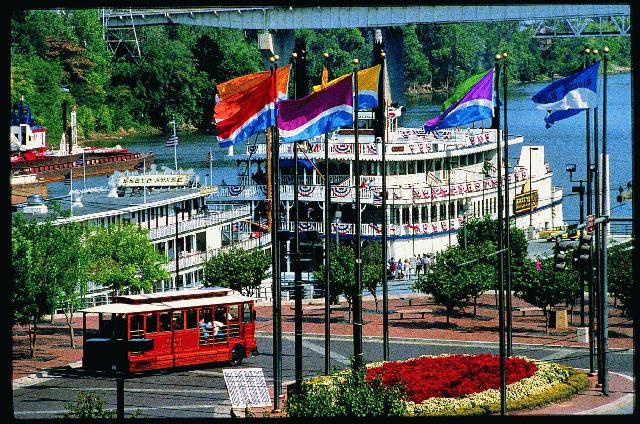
(417, 70)
(341, 274)
(620, 275)
(342, 44)
(37, 268)
(546, 288)
(458, 275)
(123, 258)
(372, 267)
(71, 286)
(238, 269)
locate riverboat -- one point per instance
(174, 207)
(435, 181)
(31, 155)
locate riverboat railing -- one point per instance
(370, 190)
(200, 221)
(403, 142)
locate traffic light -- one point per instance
(584, 250)
(559, 257)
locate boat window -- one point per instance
(136, 328)
(434, 213)
(192, 318)
(412, 167)
(463, 161)
(438, 164)
(152, 323)
(421, 166)
(246, 312)
(177, 320)
(165, 321)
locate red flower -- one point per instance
(450, 376)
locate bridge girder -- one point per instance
(581, 27)
(327, 17)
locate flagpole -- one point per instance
(507, 240)
(71, 192)
(275, 254)
(84, 171)
(605, 208)
(357, 307)
(211, 169)
(295, 249)
(591, 282)
(382, 111)
(503, 374)
(598, 235)
(144, 180)
(175, 145)
(327, 245)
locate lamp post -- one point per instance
(571, 168)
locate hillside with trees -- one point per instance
(61, 55)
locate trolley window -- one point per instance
(165, 321)
(178, 320)
(246, 312)
(234, 313)
(152, 323)
(192, 318)
(136, 330)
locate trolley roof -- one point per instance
(127, 308)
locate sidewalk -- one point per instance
(53, 340)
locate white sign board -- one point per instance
(246, 387)
(153, 180)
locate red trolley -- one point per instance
(170, 329)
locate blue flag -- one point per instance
(557, 115)
(569, 96)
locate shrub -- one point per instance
(347, 393)
(89, 405)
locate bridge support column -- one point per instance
(282, 43)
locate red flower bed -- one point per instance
(450, 376)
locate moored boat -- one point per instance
(31, 155)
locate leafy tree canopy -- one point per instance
(238, 269)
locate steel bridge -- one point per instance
(569, 20)
(547, 21)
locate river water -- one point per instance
(564, 143)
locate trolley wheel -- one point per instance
(237, 355)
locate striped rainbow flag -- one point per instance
(367, 86)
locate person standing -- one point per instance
(418, 264)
